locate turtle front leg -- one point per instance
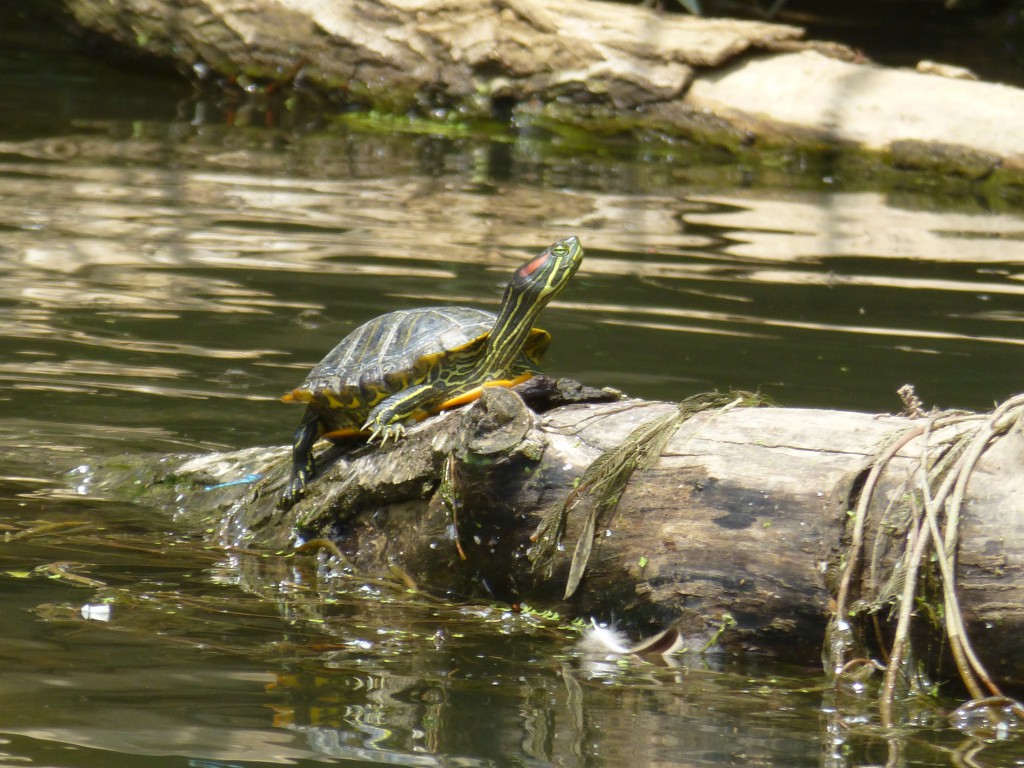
(309, 431)
(385, 420)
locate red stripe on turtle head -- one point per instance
(532, 266)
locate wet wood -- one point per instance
(746, 514)
(608, 67)
(444, 50)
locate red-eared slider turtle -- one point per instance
(409, 364)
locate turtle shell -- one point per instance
(394, 351)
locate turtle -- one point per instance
(404, 366)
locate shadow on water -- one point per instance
(164, 279)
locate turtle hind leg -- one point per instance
(309, 431)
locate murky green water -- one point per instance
(166, 272)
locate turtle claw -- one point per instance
(292, 494)
(384, 432)
(296, 487)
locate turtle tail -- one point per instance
(298, 395)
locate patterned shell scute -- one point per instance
(388, 348)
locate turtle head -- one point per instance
(532, 286)
(539, 279)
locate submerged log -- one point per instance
(611, 68)
(746, 517)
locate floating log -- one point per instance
(740, 532)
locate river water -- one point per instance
(171, 264)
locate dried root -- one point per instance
(926, 515)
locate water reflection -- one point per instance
(161, 283)
(154, 269)
(292, 661)
(865, 225)
(266, 659)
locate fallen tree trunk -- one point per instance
(747, 514)
(403, 54)
(610, 68)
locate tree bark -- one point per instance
(413, 52)
(746, 513)
(609, 68)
